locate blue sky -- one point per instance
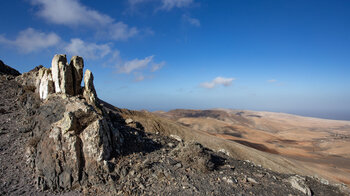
(286, 56)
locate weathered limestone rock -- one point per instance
(89, 89)
(65, 78)
(58, 62)
(46, 85)
(77, 63)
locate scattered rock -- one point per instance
(129, 121)
(251, 180)
(224, 151)
(298, 183)
(228, 179)
(178, 138)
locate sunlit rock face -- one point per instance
(67, 77)
(46, 85)
(73, 148)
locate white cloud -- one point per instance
(73, 13)
(170, 4)
(192, 21)
(88, 50)
(121, 31)
(218, 81)
(30, 40)
(272, 80)
(70, 12)
(157, 66)
(137, 64)
(132, 65)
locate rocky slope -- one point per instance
(57, 137)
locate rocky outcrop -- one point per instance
(61, 78)
(67, 77)
(73, 150)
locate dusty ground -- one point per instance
(321, 145)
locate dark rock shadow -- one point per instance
(134, 137)
(260, 147)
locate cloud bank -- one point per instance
(31, 40)
(73, 13)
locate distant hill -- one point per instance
(322, 145)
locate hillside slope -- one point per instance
(321, 145)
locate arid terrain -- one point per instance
(321, 145)
(58, 138)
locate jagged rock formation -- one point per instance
(61, 78)
(73, 150)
